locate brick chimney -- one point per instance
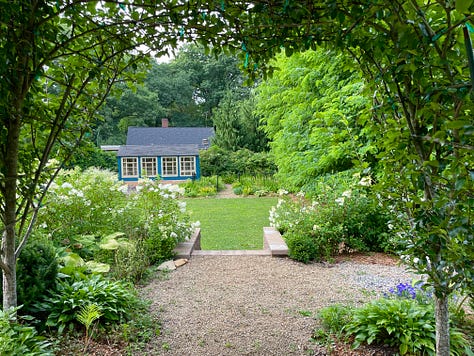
(164, 122)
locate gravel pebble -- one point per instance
(256, 305)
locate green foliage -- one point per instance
(366, 225)
(310, 109)
(78, 207)
(36, 272)
(258, 185)
(302, 246)
(86, 316)
(141, 328)
(116, 301)
(237, 126)
(400, 322)
(203, 187)
(335, 318)
(84, 210)
(216, 160)
(237, 190)
(156, 216)
(414, 58)
(128, 259)
(88, 155)
(160, 249)
(19, 339)
(331, 224)
(186, 90)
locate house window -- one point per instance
(129, 167)
(187, 165)
(148, 167)
(169, 166)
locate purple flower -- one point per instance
(404, 290)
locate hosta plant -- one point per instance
(400, 322)
(115, 300)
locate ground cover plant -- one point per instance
(19, 339)
(231, 224)
(402, 319)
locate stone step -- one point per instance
(273, 245)
(231, 253)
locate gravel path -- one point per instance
(254, 305)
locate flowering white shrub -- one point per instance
(82, 208)
(350, 220)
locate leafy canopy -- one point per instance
(310, 109)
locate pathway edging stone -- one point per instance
(273, 245)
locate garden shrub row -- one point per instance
(317, 229)
(217, 161)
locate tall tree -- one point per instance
(310, 108)
(237, 125)
(414, 58)
(174, 88)
(210, 75)
(186, 90)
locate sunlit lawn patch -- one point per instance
(231, 224)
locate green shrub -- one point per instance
(159, 250)
(218, 161)
(366, 225)
(131, 260)
(203, 187)
(81, 203)
(18, 339)
(229, 178)
(82, 208)
(301, 246)
(238, 190)
(350, 222)
(248, 190)
(402, 323)
(37, 269)
(289, 211)
(252, 184)
(308, 241)
(115, 299)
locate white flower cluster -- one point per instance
(365, 181)
(123, 189)
(172, 188)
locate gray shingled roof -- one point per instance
(168, 135)
(157, 150)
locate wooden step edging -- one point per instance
(273, 245)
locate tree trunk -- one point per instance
(442, 326)
(10, 214)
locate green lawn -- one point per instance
(231, 224)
